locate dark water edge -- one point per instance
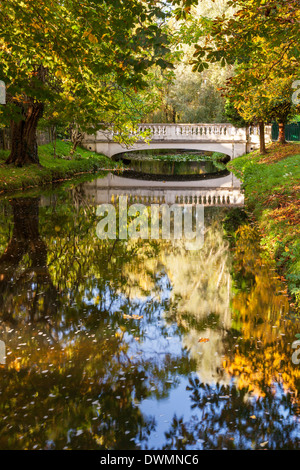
(173, 165)
(165, 177)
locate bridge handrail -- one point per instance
(195, 131)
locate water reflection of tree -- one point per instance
(226, 417)
(24, 276)
(76, 364)
(259, 408)
(259, 348)
(71, 379)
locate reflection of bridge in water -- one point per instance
(222, 191)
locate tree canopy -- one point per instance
(261, 40)
(91, 64)
(85, 58)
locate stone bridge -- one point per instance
(223, 138)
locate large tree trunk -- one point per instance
(262, 141)
(281, 136)
(24, 149)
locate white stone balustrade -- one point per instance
(191, 131)
(216, 137)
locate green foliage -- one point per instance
(83, 62)
(255, 29)
(233, 115)
(190, 97)
(261, 42)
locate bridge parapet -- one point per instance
(207, 132)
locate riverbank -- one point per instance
(52, 169)
(272, 196)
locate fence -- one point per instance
(292, 132)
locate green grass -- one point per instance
(272, 194)
(51, 169)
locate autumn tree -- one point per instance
(261, 40)
(188, 96)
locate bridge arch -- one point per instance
(221, 148)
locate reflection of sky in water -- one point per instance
(179, 399)
(159, 338)
(128, 344)
(163, 411)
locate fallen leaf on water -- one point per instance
(263, 444)
(132, 317)
(137, 317)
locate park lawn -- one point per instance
(272, 194)
(51, 169)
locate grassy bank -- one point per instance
(52, 168)
(272, 195)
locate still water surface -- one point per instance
(138, 344)
(185, 165)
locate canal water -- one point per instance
(174, 166)
(142, 343)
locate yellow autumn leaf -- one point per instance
(92, 38)
(58, 73)
(203, 340)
